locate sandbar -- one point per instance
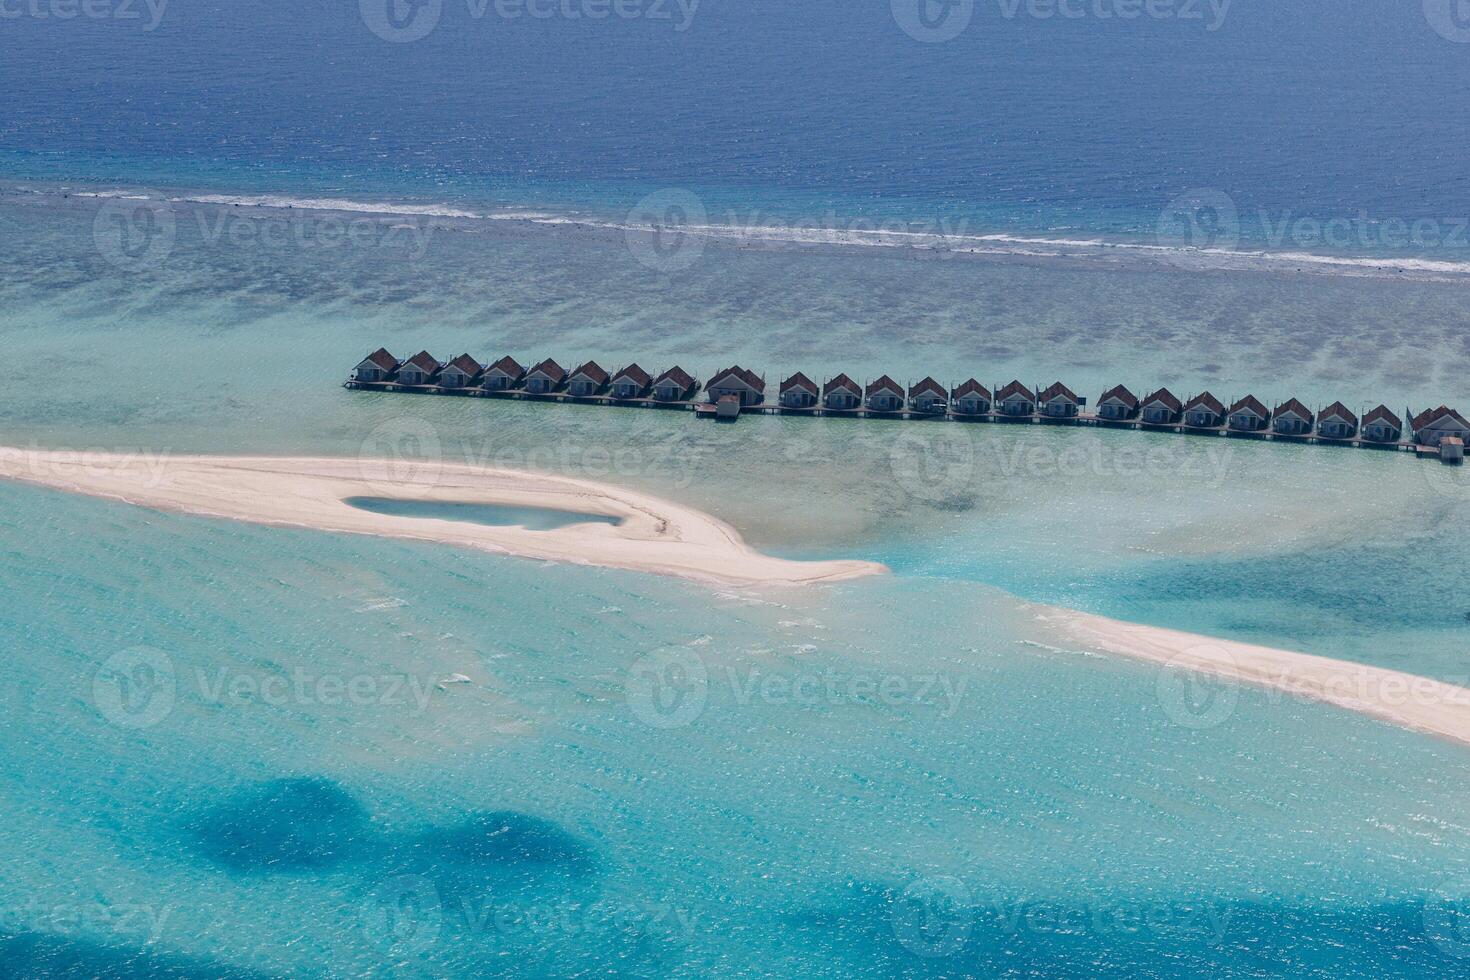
(1408, 700)
(651, 534)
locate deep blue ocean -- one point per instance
(238, 751)
(1095, 124)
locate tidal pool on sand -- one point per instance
(530, 518)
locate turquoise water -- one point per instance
(237, 751)
(302, 784)
(530, 518)
(232, 750)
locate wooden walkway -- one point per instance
(707, 410)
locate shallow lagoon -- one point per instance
(883, 778)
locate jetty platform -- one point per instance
(1436, 433)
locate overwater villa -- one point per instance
(1249, 415)
(503, 375)
(1059, 402)
(928, 397)
(545, 378)
(1117, 405)
(1382, 425)
(1434, 426)
(1337, 422)
(1161, 408)
(1292, 418)
(799, 391)
(747, 386)
(736, 390)
(587, 381)
(842, 394)
(971, 398)
(674, 385)
(1016, 400)
(1204, 412)
(631, 382)
(418, 370)
(460, 372)
(377, 366)
(884, 395)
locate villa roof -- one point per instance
(972, 387)
(593, 371)
(381, 358)
(1015, 388)
(507, 365)
(1122, 394)
(1165, 396)
(424, 361)
(678, 376)
(1339, 410)
(1207, 400)
(1382, 414)
(1438, 415)
(839, 382)
(635, 374)
(1295, 407)
(465, 363)
(885, 383)
(749, 378)
(799, 380)
(1253, 404)
(930, 385)
(549, 368)
(1058, 390)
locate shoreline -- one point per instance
(1405, 700)
(652, 534)
(660, 537)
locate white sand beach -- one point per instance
(662, 537)
(1408, 700)
(652, 535)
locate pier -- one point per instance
(1438, 433)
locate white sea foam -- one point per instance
(326, 204)
(865, 233)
